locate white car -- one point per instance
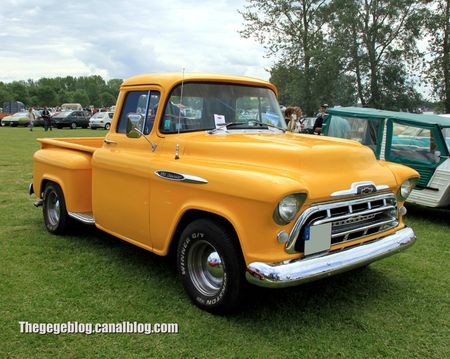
(101, 120)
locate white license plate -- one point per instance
(319, 239)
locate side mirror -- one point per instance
(134, 125)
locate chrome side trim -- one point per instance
(30, 189)
(290, 244)
(180, 177)
(278, 275)
(85, 217)
(354, 188)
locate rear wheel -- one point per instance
(54, 207)
(73, 125)
(211, 266)
(107, 126)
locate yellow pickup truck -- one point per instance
(202, 165)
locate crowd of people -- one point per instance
(295, 122)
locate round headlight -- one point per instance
(406, 188)
(288, 208)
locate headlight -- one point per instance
(288, 208)
(406, 188)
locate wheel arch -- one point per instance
(193, 214)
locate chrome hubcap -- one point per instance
(53, 209)
(205, 267)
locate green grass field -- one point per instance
(396, 308)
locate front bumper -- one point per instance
(278, 275)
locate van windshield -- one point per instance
(206, 106)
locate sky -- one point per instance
(120, 39)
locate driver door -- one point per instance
(122, 172)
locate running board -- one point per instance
(85, 217)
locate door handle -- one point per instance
(109, 141)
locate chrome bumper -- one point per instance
(278, 275)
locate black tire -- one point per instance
(107, 126)
(73, 125)
(56, 218)
(211, 266)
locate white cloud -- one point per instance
(48, 38)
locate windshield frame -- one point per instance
(272, 97)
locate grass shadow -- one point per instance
(438, 216)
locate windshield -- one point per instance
(354, 128)
(99, 115)
(446, 133)
(63, 114)
(208, 106)
(20, 114)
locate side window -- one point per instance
(135, 104)
(412, 144)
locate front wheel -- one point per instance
(55, 213)
(211, 266)
(73, 125)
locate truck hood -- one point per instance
(324, 163)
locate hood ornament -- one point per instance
(366, 187)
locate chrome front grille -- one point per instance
(350, 219)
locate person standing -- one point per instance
(295, 119)
(317, 128)
(31, 118)
(47, 119)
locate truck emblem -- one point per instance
(360, 188)
(366, 189)
(180, 177)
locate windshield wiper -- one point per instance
(226, 125)
(267, 124)
(249, 125)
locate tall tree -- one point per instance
(438, 72)
(378, 35)
(292, 31)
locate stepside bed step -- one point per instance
(85, 217)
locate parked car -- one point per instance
(232, 199)
(101, 120)
(72, 119)
(5, 121)
(18, 119)
(418, 141)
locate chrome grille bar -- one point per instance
(324, 214)
(352, 214)
(363, 228)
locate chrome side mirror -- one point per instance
(135, 122)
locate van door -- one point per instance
(415, 145)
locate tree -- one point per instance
(106, 99)
(378, 35)
(291, 31)
(438, 71)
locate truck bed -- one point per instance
(84, 144)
